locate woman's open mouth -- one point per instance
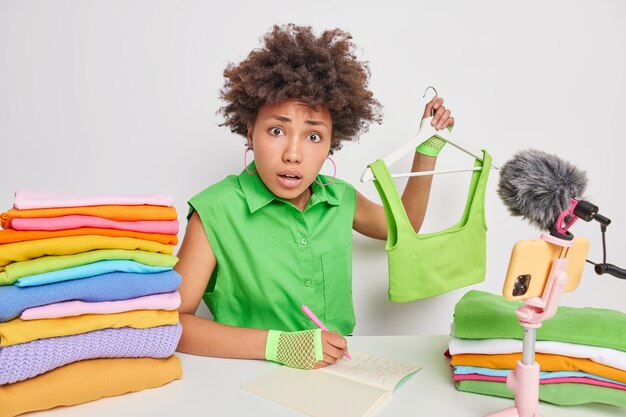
(289, 179)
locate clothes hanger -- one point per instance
(425, 132)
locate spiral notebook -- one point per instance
(349, 388)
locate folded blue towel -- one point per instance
(107, 287)
(89, 270)
(465, 370)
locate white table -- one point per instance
(212, 387)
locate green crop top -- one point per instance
(425, 265)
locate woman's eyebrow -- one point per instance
(311, 122)
(315, 123)
(280, 118)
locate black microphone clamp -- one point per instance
(578, 209)
(588, 212)
(584, 210)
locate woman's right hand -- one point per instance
(333, 346)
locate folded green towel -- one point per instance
(560, 394)
(481, 315)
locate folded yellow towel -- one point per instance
(68, 245)
(85, 381)
(21, 331)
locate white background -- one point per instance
(120, 97)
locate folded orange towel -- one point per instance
(546, 362)
(121, 213)
(85, 381)
(13, 236)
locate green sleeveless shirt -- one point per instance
(425, 265)
(272, 258)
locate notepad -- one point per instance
(347, 388)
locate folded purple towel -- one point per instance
(26, 360)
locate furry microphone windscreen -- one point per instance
(538, 186)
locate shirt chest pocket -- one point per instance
(337, 270)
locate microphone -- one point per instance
(539, 186)
(547, 191)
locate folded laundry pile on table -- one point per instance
(581, 351)
(88, 298)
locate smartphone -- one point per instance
(530, 265)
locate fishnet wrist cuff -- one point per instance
(295, 349)
(431, 147)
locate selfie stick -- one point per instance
(524, 379)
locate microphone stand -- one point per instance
(524, 379)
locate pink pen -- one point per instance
(319, 324)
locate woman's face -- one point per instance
(291, 141)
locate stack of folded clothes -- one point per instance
(88, 298)
(581, 351)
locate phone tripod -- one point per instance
(524, 379)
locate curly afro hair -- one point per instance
(294, 63)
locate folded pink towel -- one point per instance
(76, 221)
(25, 199)
(577, 380)
(165, 301)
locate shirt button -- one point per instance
(304, 241)
(310, 323)
(308, 283)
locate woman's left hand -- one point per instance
(442, 117)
